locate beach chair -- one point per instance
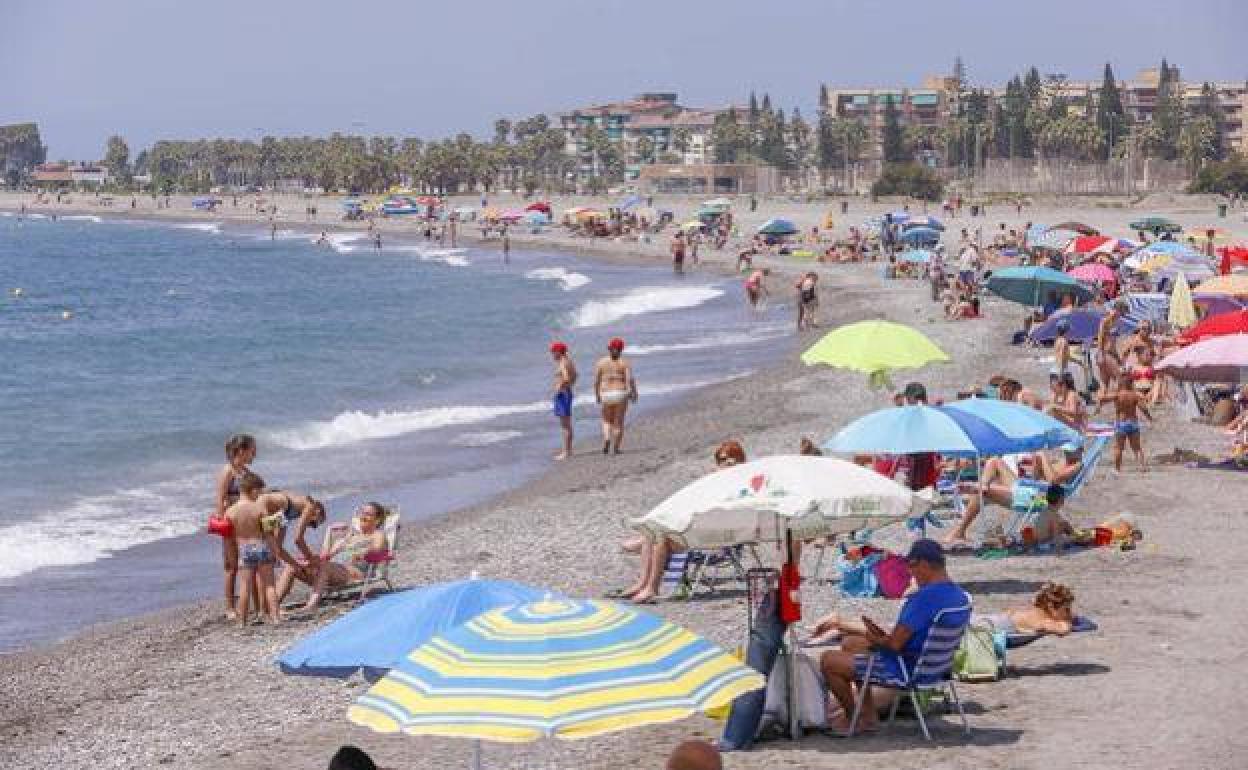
(686, 570)
(1021, 518)
(378, 572)
(932, 672)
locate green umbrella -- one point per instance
(1156, 225)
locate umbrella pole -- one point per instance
(476, 754)
(795, 727)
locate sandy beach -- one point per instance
(1157, 686)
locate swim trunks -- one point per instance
(255, 554)
(1126, 428)
(563, 403)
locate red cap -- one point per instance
(615, 344)
(558, 347)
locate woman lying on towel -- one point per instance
(1052, 612)
(361, 549)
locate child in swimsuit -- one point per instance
(258, 548)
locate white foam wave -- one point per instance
(83, 218)
(7, 214)
(203, 227)
(344, 243)
(727, 339)
(452, 257)
(351, 427)
(664, 389)
(486, 437)
(642, 300)
(36, 216)
(93, 528)
(567, 279)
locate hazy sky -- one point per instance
(149, 69)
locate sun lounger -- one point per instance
(378, 572)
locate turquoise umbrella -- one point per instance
(1031, 428)
(778, 227)
(1030, 285)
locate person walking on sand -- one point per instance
(614, 388)
(506, 246)
(807, 301)
(273, 231)
(678, 253)
(565, 381)
(1127, 402)
(377, 240)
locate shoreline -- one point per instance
(179, 687)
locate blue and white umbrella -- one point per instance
(922, 429)
(923, 221)
(920, 235)
(1031, 428)
(916, 256)
(1055, 240)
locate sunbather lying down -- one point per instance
(1051, 612)
(359, 550)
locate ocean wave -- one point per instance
(83, 218)
(642, 300)
(452, 257)
(663, 389)
(203, 227)
(726, 339)
(93, 528)
(486, 437)
(567, 279)
(344, 243)
(7, 214)
(354, 426)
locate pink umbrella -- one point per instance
(1093, 272)
(1218, 359)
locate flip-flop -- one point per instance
(617, 593)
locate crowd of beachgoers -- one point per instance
(1087, 353)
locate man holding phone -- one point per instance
(842, 668)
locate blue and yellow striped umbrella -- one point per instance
(556, 667)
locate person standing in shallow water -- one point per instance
(240, 453)
(614, 388)
(565, 381)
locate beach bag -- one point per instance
(812, 695)
(893, 576)
(979, 658)
(858, 577)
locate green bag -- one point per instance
(978, 660)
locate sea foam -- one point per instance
(639, 301)
(351, 427)
(567, 280)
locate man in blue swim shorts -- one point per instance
(565, 380)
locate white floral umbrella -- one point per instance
(759, 501)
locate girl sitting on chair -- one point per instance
(363, 549)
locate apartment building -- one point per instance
(929, 105)
(670, 129)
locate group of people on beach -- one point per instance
(615, 388)
(253, 522)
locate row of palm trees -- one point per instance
(526, 154)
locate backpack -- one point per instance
(893, 576)
(981, 657)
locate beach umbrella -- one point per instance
(1112, 245)
(1216, 359)
(1054, 239)
(1093, 272)
(1234, 285)
(922, 429)
(692, 224)
(1216, 304)
(536, 217)
(375, 636)
(1082, 325)
(761, 500)
(1156, 225)
(1034, 232)
(539, 206)
(918, 256)
(553, 668)
(1021, 423)
(874, 348)
(1182, 312)
(630, 202)
(923, 221)
(1170, 248)
(1030, 285)
(1232, 256)
(898, 216)
(920, 235)
(778, 227)
(1219, 325)
(1077, 227)
(1087, 244)
(717, 204)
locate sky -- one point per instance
(152, 69)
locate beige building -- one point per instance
(929, 105)
(673, 131)
(708, 179)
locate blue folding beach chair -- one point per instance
(1023, 517)
(686, 570)
(932, 672)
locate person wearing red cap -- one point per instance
(565, 380)
(614, 387)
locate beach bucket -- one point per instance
(1104, 536)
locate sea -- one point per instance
(414, 375)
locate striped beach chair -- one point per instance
(378, 573)
(932, 671)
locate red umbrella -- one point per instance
(1232, 255)
(1217, 326)
(541, 206)
(1086, 244)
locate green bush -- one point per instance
(1225, 177)
(909, 179)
